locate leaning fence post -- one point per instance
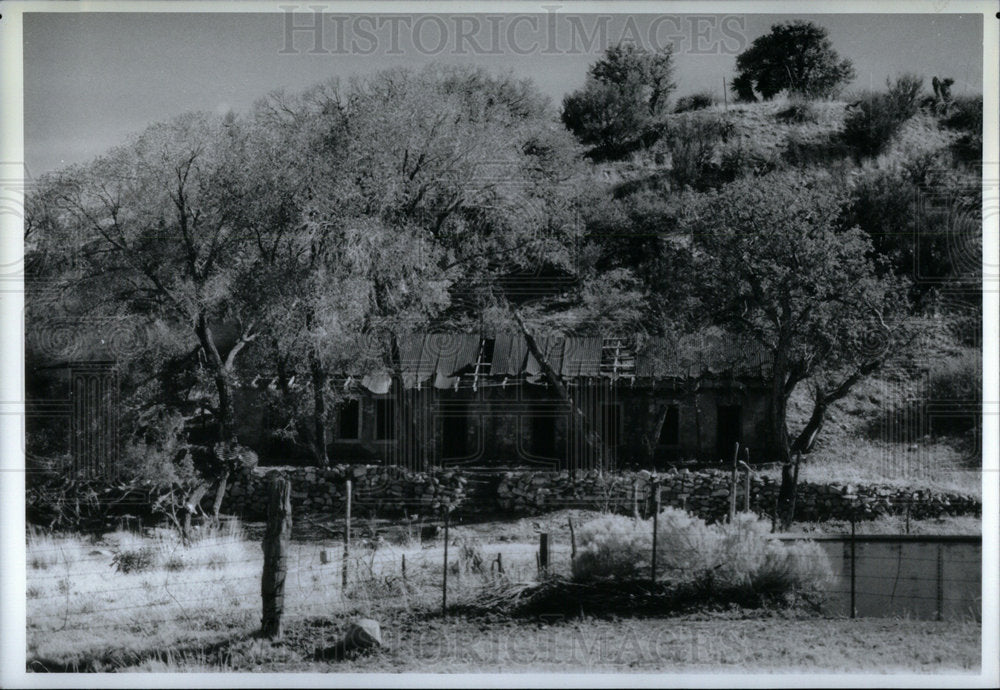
(276, 536)
(656, 519)
(572, 541)
(347, 534)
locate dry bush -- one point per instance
(876, 117)
(696, 101)
(722, 560)
(799, 111)
(611, 546)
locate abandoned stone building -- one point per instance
(475, 401)
(471, 400)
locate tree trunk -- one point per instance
(789, 477)
(190, 507)
(778, 444)
(319, 380)
(406, 412)
(807, 437)
(220, 493)
(223, 385)
(590, 434)
(653, 433)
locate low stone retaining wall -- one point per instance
(390, 492)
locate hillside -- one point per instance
(915, 422)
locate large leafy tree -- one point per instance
(161, 231)
(796, 57)
(625, 90)
(418, 192)
(776, 264)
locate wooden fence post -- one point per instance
(853, 569)
(746, 492)
(635, 498)
(572, 541)
(732, 484)
(347, 536)
(444, 583)
(276, 537)
(940, 583)
(543, 553)
(656, 521)
(746, 485)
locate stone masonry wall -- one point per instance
(390, 492)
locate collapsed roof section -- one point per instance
(442, 359)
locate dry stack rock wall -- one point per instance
(395, 492)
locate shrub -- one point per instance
(692, 142)
(967, 117)
(624, 91)
(799, 111)
(612, 546)
(724, 561)
(751, 563)
(696, 101)
(745, 157)
(875, 118)
(136, 560)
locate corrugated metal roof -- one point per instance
(442, 356)
(509, 353)
(581, 357)
(455, 352)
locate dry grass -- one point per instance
(81, 608)
(896, 524)
(84, 615)
(720, 643)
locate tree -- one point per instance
(420, 190)
(777, 266)
(157, 233)
(625, 90)
(796, 57)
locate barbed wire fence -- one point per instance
(354, 570)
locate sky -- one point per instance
(91, 80)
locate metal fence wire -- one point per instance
(331, 565)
